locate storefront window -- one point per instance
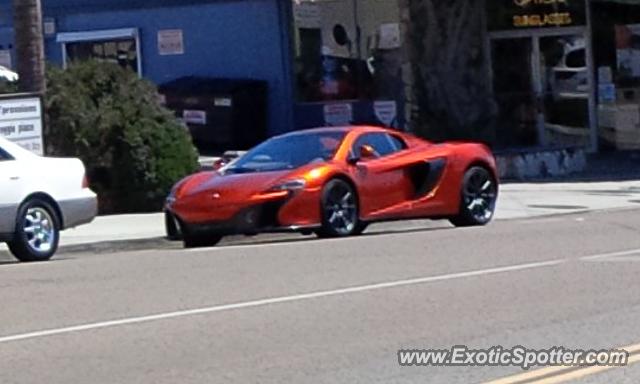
(346, 49)
(542, 80)
(565, 91)
(121, 52)
(118, 46)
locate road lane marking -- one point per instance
(277, 300)
(562, 371)
(617, 259)
(611, 255)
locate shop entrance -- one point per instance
(543, 86)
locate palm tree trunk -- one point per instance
(29, 45)
(450, 93)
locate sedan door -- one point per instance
(11, 190)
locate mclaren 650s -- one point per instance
(334, 182)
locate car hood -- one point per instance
(237, 187)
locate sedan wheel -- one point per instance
(479, 195)
(340, 214)
(37, 232)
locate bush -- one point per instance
(134, 148)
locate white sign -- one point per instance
(606, 93)
(224, 102)
(49, 26)
(386, 112)
(194, 117)
(21, 122)
(338, 114)
(389, 36)
(307, 15)
(170, 42)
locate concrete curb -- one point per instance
(120, 246)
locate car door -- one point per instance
(11, 191)
(383, 184)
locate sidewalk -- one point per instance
(522, 200)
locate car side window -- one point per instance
(4, 156)
(397, 143)
(380, 142)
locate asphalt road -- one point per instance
(327, 311)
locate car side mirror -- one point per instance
(367, 152)
(218, 164)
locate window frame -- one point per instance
(388, 136)
(400, 140)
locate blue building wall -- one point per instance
(222, 38)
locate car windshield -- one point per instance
(289, 152)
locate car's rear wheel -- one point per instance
(37, 232)
(340, 211)
(478, 198)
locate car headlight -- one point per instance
(291, 185)
(171, 198)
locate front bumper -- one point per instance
(295, 211)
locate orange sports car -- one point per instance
(334, 182)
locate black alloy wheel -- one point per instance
(340, 210)
(478, 200)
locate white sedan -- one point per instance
(39, 197)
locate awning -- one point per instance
(110, 34)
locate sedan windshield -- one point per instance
(289, 152)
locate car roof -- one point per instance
(344, 129)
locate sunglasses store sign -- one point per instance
(21, 122)
(519, 14)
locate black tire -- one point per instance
(340, 211)
(478, 198)
(200, 240)
(172, 227)
(37, 232)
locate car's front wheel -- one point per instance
(37, 232)
(172, 227)
(340, 210)
(478, 198)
